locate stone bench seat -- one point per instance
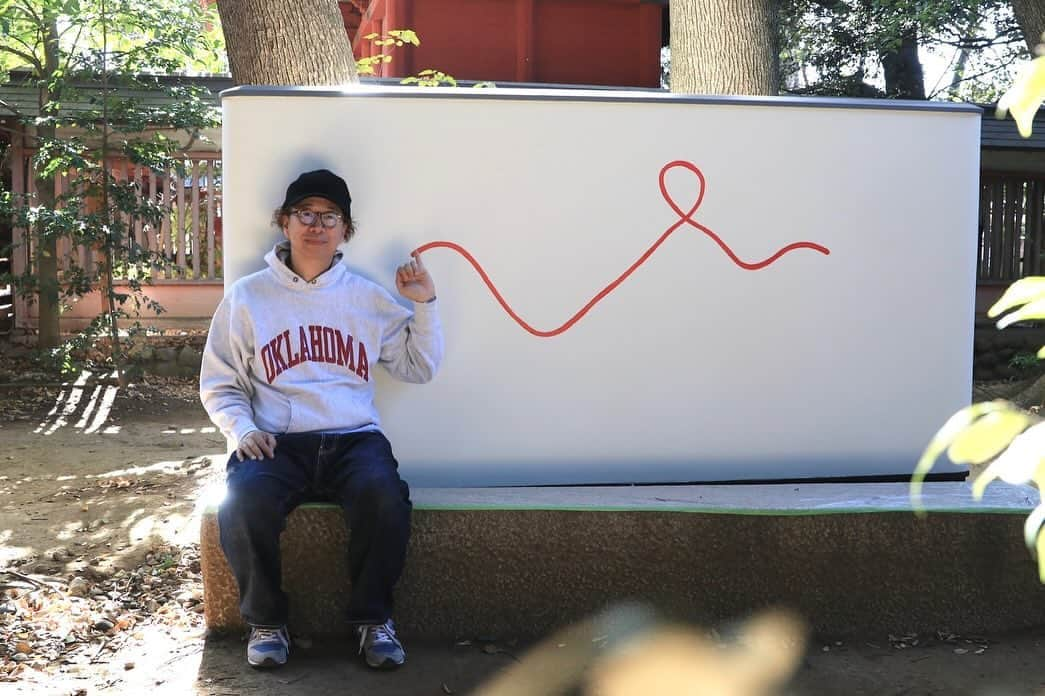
(852, 558)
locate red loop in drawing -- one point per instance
(685, 218)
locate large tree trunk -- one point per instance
(1030, 15)
(287, 42)
(904, 78)
(724, 47)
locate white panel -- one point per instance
(692, 369)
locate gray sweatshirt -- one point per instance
(286, 355)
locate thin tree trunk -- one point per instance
(287, 42)
(48, 326)
(1030, 15)
(724, 47)
(46, 258)
(959, 73)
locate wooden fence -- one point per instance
(188, 236)
(1012, 224)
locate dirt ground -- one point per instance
(102, 591)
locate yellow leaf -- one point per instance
(1041, 558)
(987, 437)
(942, 440)
(1031, 530)
(1022, 462)
(1021, 292)
(1031, 310)
(1025, 96)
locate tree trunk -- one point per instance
(46, 251)
(46, 258)
(287, 42)
(903, 71)
(1030, 15)
(959, 73)
(724, 47)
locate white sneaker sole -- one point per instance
(267, 663)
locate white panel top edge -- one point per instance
(594, 95)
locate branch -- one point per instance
(996, 68)
(952, 84)
(28, 46)
(72, 49)
(30, 580)
(32, 59)
(27, 7)
(980, 44)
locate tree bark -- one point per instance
(1030, 15)
(904, 78)
(46, 257)
(287, 42)
(46, 251)
(724, 47)
(959, 73)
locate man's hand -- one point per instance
(413, 281)
(256, 444)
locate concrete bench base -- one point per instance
(497, 572)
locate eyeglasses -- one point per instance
(309, 217)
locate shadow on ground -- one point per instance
(333, 667)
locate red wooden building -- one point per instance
(583, 42)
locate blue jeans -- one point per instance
(356, 470)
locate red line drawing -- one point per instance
(685, 218)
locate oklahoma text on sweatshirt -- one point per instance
(286, 355)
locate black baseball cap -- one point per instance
(324, 184)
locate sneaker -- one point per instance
(268, 646)
(379, 645)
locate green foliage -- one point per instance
(100, 73)
(837, 47)
(1024, 361)
(391, 39)
(401, 37)
(159, 37)
(430, 78)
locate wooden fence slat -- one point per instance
(194, 207)
(152, 239)
(988, 231)
(997, 231)
(1037, 228)
(1021, 229)
(1005, 255)
(124, 179)
(1019, 203)
(180, 226)
(210, 218)
(983, 229)
(165, 225)
(19, 235)
(136, 224)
